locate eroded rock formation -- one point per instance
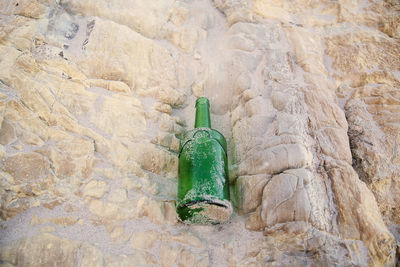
(94, 96)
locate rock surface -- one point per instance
(94, 96)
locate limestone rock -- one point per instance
(186, 38)
(144, 240)
(186, 258)
(108, 210)
(277, 159)
(62, 221)
(95, 96)
(117, 195)
(138, 258)
(169, 255)
(45, 249)
(147, 19)
(374, 142)
(248, 192)
(30, 9)
(360, 214)
(355, 65)
(115, 86)
(285, 199)
(35, 168)
(141, 62)
(271, 11)
(95, 188)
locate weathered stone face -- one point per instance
(94, 96)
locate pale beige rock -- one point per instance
(275, 160)
(204, 261)
(138, 258)
(115, 86)
(186, 38)
(356, 63)
(248, 192)
(285, 199)
(31, 9)
(145, 18)
(94, 96)
(197, 89)
(186, 259)
(7, 133)
(168, 140)
(25, 167)
(371, 117)
(271, 11)
(170, 212)
(157, 161)
(130, 184)
(179, 15)
(117, 195)
(117, 233)
(144, 240)
(235, 11)
(76, 147)
(163, 108)
(120, 116)
(95, 188)
(91, 256)
(364, 214)
(44, 249)
(169, 255)
(308, 49)
(152, 209)
(48, 229)
(187, 238)
(141, 62)
(254, 221)
(61, 221)
(103, 209)
(19, 33)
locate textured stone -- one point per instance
(117, 195)
(359, 65)
(169, 255)
(31, 9)
(41, 250)
(374, 142)
(115, 86)
(186, 258)
(276, 159)
(95, 95)
(362, 214)
(35, 167)
(141, 259)
(147, 19)
(144, 240)
(95, 188)
(285, 199)
(248, 192)
(141, 62)
(62, 221)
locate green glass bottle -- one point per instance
(203, 189)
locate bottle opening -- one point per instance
(202, 113)
(202, 101)
(205, 211)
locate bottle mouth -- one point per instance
(204, 211)
(202, 101)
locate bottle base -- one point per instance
(205, 212)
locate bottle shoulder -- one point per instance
(212, 133)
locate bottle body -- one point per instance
(203, 189)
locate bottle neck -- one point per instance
(202, 113)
